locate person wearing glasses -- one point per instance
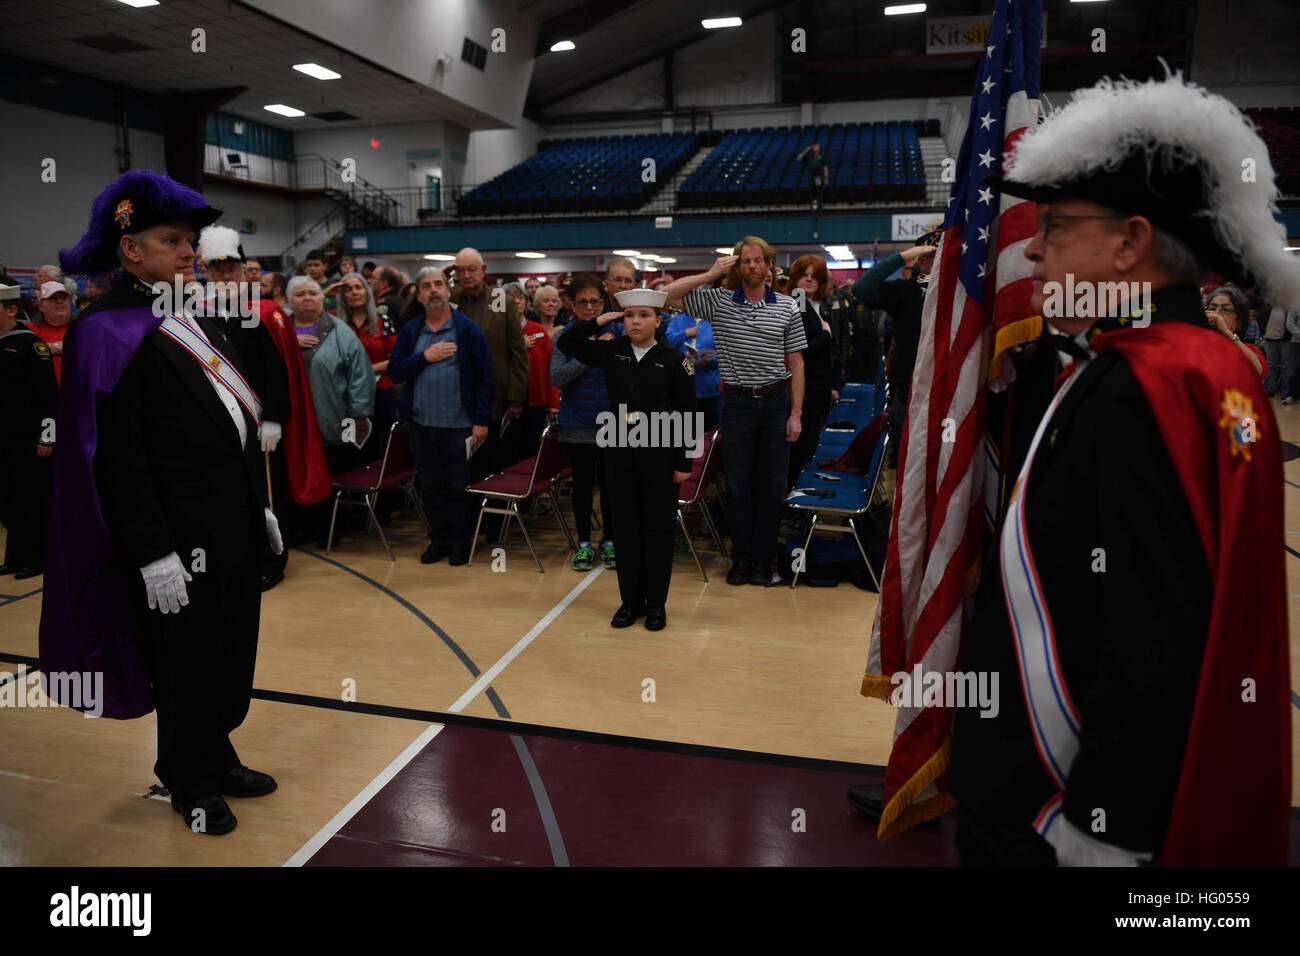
(1135, 602)
(1227, 311)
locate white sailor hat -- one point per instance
(218, 243)
(8, 292)
(651, 297)
(1173, 152)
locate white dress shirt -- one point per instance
(223, 393)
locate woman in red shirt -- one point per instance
(543, 397)
(357, 309)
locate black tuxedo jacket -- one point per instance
(170, 469)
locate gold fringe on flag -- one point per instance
(903, 812)
(1010, 335)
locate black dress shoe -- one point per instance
(271, 578)
(761, 574)
(868, 801)
(656, 619)
(434, 553)
(7, 569)
(24, 573)
(625, 616)
(739, 573)
(242, 782)
(458, 558)
(210, 814)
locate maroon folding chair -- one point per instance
(705, 471)
(527, 480)
(396, 469)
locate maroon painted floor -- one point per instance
(614, 806)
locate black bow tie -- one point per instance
(1062, 343)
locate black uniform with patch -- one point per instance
(172, 477)
(644, 492)
(29, 397)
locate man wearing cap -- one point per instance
(1134, 606)
(55, 304)
(158, 504)
(28, 396)
(268, 349)
(646, 379)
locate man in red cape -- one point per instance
(1135, 608)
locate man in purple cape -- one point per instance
(157, 504)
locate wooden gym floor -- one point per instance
(756, 722)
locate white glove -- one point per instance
(273, 532)
(164, 584)
(269, 435)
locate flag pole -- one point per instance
(270, 498)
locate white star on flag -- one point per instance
(986, 195)
(984, 233)
(988, 85)
(991, 49)
(981, 270)
(986, 159)
(963, 247)
(986, 121)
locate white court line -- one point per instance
(491, 673)
(325, 833)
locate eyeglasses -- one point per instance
(1048, 221)
(587, 302)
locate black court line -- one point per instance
(14, 676)
(1291, 483)
(1294, 552)
(11, 598)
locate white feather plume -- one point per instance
(218, 242)
(1172, 119)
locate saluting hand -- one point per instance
(607, 317)
(916, 252)
(723, 266)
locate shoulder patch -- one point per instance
(688, 365)
(41, 349)
(1239, 420)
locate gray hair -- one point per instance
(345, 311)
(428, 271)
(296, 282)
(542, 290)
(1239, 302)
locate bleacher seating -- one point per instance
(1279, 127)
(573, 175)
(868, 162)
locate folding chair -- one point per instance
(396, 469)
(705, 470)
(525, 481)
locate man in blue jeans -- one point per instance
(445, 358)
(760, 339)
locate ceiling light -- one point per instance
(664, 260)
(839, 253)
(1292, 249)
(139, 3)
(284, 110)
(649, 268)
(316, 70)
(440, 257)
(564, 46)
(531, 255)
(630, 253)
(904, 8)
(720, 22)
(725, 250)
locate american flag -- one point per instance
(977, 305)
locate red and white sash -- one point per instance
(1053, 716)
(220, 367)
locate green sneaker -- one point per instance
(582, 560)
(607, 554)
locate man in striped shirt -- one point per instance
(760, 339)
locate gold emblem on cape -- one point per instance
(1240, 421)
(215, 363)
(122, 214)
(41, 349)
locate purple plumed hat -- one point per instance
(132, 202)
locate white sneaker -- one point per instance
(1289, 400)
